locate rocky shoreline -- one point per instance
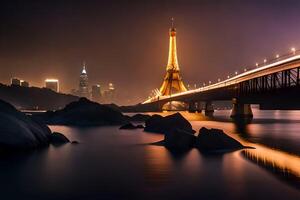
(20, 132)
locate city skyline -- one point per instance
(238, 34)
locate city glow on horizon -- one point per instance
(51, 80)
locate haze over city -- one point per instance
(158, 99)
(127, 43)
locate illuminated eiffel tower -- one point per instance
(172, 82)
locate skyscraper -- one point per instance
(83, 83)
(24, 83)
(52, 84)
(109, 94)
(15, 82)
(96, 93)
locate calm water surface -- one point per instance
(119, 164)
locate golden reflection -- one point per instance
(274, 160)
(275, 157)
(287, 163)
(157, 165)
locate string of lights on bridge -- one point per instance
(293, 51)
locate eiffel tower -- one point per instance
(172, 83)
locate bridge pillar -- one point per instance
(241, 110)
(194, 107)
(160, 106)
(209, 109)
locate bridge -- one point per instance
(273, 84)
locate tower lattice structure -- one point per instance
(172, 82)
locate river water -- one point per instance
(120, 164)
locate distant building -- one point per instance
(15, 82)
(111, 87)
(24, 83)
(96, 93)
(83, 83)
(109, 95)
(52, 84)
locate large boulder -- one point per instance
(140, 117)
(216, 140)
(159, 124)
(58, 138)
(18, 131)
(179, 139)
(84, 113)
(128, 126)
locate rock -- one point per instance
(18, 131)
(159, 124)
(140, 126)
(179, 140)
(128, 126)
(216, 140)
(58, 138)
(139, 117)
(84, 113)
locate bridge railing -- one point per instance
(232, 80)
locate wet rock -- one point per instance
(140, 117)
(216, 140)
(84, 113)
(179, 139)
(140, 126)
(128, 126)
(18, 131)
(159, 124)
(58, 138)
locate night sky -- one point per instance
(126, 42)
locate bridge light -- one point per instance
(293, 50)
(203, 84)
(256, 64)
(219, 79)
(236, 73)
(209, 82)
(228, 76)
(265, 60)
(245, 70)
(277, 55)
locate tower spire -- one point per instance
(172, 59)
(83, 68)
(172, 81)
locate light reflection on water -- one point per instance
(119, 164)
(266, 138)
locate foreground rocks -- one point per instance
(58, 138)
(140, 117)
(168, 124)
(216, 140)
(128, 126)
(179, 140)
(208, 140)
(179, 135)
(19, 132)
(84, 113)
(131, 126)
